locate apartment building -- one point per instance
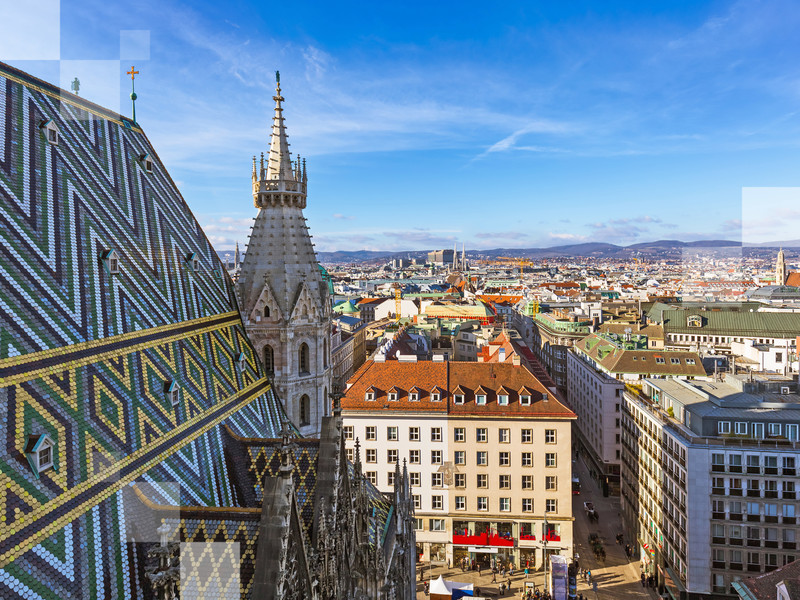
(709, 485)
(488, 448)
(598, 368)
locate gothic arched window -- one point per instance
(305, 410)
(303, 359)
(269, 359)
(266, 311)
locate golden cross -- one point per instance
(132, 73)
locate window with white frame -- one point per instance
(369, 396)
(414, 457)
(740, 428)
(480, 399)
(505, 459)
(525, 400)
(502, 399)
(527, 459)
(527, 505)
(460, 434)
(505, 504)
(549, 436)
(393, 396)
(527, 482)
(436, 457)
(551, 505)
(390, 478)
(483, 503)
(372, 477)
(551, 483)
(436, 434)
(504, 482)
(460, 457)
(481, 458)
(418, 524)
(348, 432)
(350, 453)
(792, 432)
(723, 427)
(550, 459)
(372, 455)
(415, 479)
(504, 436)
(436, 397)
(461, 503)
(526, 436)
(413, 396)
(481, 434)
(391, 456)
(482, 480)
(413, 434)
(437, 524)
(372, 433)
(774, 429)
(417, 501)
(391, 434)
(436, 503)
(458, 399)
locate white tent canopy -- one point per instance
(440, 586)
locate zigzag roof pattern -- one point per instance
(87, 347)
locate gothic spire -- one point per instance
(279, 165)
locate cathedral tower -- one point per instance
(780, 269)
(284, 301)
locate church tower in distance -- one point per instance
(780, 269)
(284, 300)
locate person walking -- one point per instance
(494, 576)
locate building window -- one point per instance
(458, 399)
(348, 432)
(415, 479)
(527, 436)
(413, 434)
(390, 478)
(172, 392)
(436, 480)
(436, 434)
(437, 524)
(480, 399)
(369, 396)
(505, 504)
(437, 504)
(740, 428)
(414, 457)
(39, 450)
(51, 133)
(413, 397)
(110, 260)
(391, 456)
(527, 505)
(460, 457)
(481, 435)
(349, 452)
(723, 427)
(505, 459)
(305, 410)
(461, 503)
(435, 397)
(372, 455)
(391, 434)
(550, 483)
(460, 434)
(527, 459)
(372, 433)
(482, 480)
(372, 477)
(461, 480)
(418, 524)
(502, 400)
(482, 458)
(525, 400)
(483, 503)
(549, 436)
(436, 457)
(550, 459)
(505, 482)
(417, 501)
(527, 482)
(551, 505)
(266, 311)
(774, 429)
(504, 436)
(147, 162)
(392, 396)
(303, 359)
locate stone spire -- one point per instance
(279, 164)
(236, 257)
(780, 269)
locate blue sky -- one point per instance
(425, 124)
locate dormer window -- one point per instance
(39, 451)
(370, 395)
(413, 396)
(502, 399)
(458, 399)
(110, 260)
(393, 396)
(525, 399)
(242, 362)
(51, 132)
(193, 261)
(147, 162)
(435, 397)
(172, 392)
(480, 399)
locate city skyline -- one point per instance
(587, 125)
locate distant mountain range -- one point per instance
(602, 250)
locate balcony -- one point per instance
(735, 492)
(770, 470)
(754, 518)
(718, 564)
(718, 515)
(755, 470)
(770, 519)
(718, 491)
(771, 494)
(527, 538)
(735, 566)
(789, 545)
(735, 541)
(718, 468)
(754, 543)
(789, 520)
(484, 539)
(718, 540)
(770, 543)
(791, 472)
(735, 468)
(789, 495)
(736, 516)
(754, 493)
(754, 568)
